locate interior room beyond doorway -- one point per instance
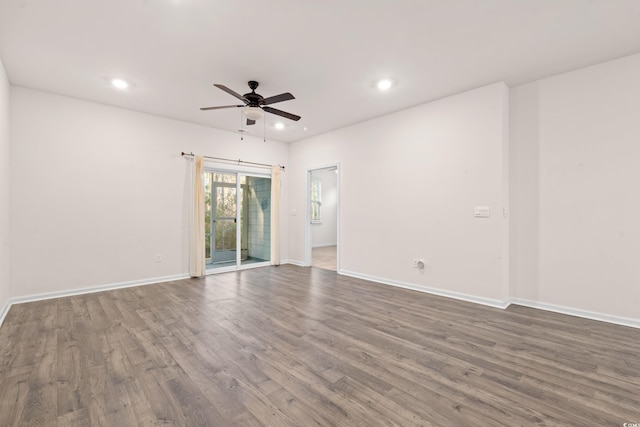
(323, 208)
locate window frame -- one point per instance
(315, 204)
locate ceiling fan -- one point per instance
(255, 104)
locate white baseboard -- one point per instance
(4, 311)
(89, 290)
(602, 317)
(456, 295)
(293, 262)
(324, 245)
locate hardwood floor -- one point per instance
(292, 346)
(324, 257)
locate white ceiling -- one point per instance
(328, 53)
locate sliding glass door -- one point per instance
(237, 220)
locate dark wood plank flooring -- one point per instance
(292, 346)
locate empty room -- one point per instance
(336, 213)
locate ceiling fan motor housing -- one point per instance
(255, 100)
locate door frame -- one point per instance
(307, 228)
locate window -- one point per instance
(316, 200)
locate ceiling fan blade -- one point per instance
(220, 107)
(281, 113)
(231, 92)
(278, 98)
(250, 122)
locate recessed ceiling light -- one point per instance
(279, 125)
(119, 83)
(384, 84)
(305, 128)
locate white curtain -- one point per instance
(275, 215)
(196, 245)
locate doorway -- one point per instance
(237, 220)
(322, 224)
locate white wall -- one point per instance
(576, 144)
(325, 233)
(524, 160)
(409, 183)
(97, 191)
(4, 190)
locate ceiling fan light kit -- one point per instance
(253, 113)
(255, 105)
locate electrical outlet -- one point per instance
(158, 257)
(418, 263)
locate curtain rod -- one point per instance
(231, 160)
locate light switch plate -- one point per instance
(481, 212)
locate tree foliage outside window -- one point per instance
(316, 199)
(220, 201)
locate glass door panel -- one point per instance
(208, 219)
(255, 219)
(225, 241)
(220, 219)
